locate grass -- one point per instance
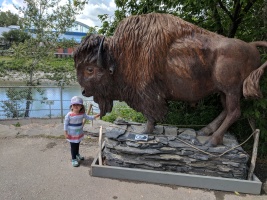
(5, 58)
(55, 62)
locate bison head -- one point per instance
(95, 68)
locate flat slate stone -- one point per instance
(132, 150)
(158, 130)
(171, 131)
(136, 129)
(115, 132)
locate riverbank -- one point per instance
(16, 78)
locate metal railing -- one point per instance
(38, 101)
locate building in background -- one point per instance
(76, 33)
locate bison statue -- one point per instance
(155, 58)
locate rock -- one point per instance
(158, 130)
(132, 150)
(115, 132)
(110, 143)
(136, 129)
(171, 131)
(188, 134)
(133, 144)
(162, 140)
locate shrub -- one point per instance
(122, 110)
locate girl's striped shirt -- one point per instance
(73, 125)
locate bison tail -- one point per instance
(259, 43)
(251, 88)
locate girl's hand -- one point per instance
(96, 116)
(66, 134)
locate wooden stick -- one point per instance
(254, 154)
(92, 122)
(252, 124)
(88, 112)
(100, 146)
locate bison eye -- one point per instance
(90, 69)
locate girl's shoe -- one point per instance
(79, 157)
(74, 163)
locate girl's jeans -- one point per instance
(74, 148)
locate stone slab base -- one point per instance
(173, 149)
(179, 179)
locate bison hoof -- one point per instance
(201, 133)
(208, 143)
(213, 142)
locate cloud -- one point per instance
(91, 12)
(88, 16)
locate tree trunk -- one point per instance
(29, 96)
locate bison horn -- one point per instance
(100, 54)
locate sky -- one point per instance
(88, 16)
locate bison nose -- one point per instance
(83, 91)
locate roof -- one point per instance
(82, 24)
(77, 36)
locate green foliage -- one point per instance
(243, 18)
(8, 18)
(200, 114)
(2, 69)
(123, 111)
(64, 43)
(61, 69)
(108, 26)
(57, 69)
(15, 36)
(256, 111)
(17, 124)
(12, 107)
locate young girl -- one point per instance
(73, 127)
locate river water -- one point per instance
(49, 108)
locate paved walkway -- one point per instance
(35, 164)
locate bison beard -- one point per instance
(155, 58)
(105, 105)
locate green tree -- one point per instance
(15, 36)
(8, 18)
(12, 107)
(242, 18)
(45, 20)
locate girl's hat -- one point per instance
(76, 100)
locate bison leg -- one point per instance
(215, 124)
(150, 125)
(233, 113)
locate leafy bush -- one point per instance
(200, 114)
(123, 111)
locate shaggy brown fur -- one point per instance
(154, 58)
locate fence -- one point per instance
(38, 101)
